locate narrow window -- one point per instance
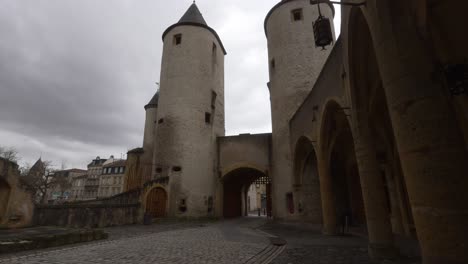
(177, 168)
(297, 14)
(208, 118)
(214, 50)
(272, 64)
(178, 39)
(213, 99)
(160, 121)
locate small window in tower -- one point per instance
(213, 99)
(158, 170)
(297, 14)
(178, 39)
(176, 168)
(160, 121)
(272, 64)
(207, 118)
(214, 50)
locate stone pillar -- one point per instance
(373, 192)
(328, 199)
(243, 201)
(430, 143)
(397, 224)
(407, 218)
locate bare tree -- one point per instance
(9, 153)
(40, 179)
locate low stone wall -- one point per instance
(122, 209)
(92, 216)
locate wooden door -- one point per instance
(156, 203)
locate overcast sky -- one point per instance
(75, 74)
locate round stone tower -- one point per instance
(151, 110)
(190, 115)
(294, 66)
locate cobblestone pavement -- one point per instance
(306, 245)
(226, 242)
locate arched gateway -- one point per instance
(235, 188)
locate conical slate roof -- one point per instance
(153, 103)
(193, 15)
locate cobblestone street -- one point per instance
(244, 240)
(227, 242)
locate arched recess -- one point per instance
(4, 199)
(156, 202)
(338, 148)
(235, 188)
(370, 110)
(306, 181)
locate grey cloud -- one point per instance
(75, 74)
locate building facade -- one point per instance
(63, 191)
(91, 185)
(111, 181)
(78, 187)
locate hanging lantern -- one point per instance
(323, 32)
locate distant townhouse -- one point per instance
(62, 191)
(112, 178)
(77, 189)
(91, 184)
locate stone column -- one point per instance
(430, 143)
(328, 199)
(397, 223)
(373, 192)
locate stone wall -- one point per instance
(16, 206)
(122, 209)
(251, 151)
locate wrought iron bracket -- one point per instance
(313, 2)
(456, 77)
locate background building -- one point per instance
(111, 182)
(62, 191)
(91, 187)
(78, 187)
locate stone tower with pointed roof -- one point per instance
(189, 116)
(294, 65)
(151, 114)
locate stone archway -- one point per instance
(306, 182)
(156, 202)
(339, 184)
(4, 199)
(338, 146)
(235, 187)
